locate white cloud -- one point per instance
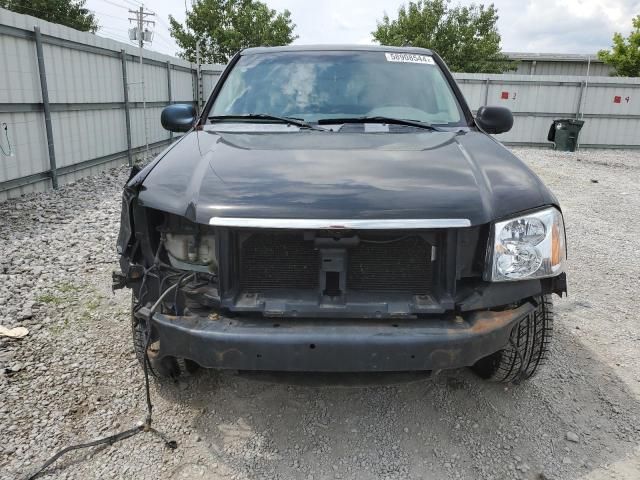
(569, 26)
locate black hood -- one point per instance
(316, 175)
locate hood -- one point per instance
(315, 175)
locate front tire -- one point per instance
(527, 350)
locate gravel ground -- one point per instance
(75, 378)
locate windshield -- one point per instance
(312, 86)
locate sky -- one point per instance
(541, 26)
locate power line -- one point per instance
(163, 23)
(116, 29)
(161, 36)
(119, 5)
(166, 43)
(115, 36)
(96, 12)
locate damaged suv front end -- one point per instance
(340, 240)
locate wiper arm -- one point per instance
(264, 116)
(379, 119)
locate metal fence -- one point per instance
(610, 106)
(72, 102)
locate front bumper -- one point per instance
(336, 345)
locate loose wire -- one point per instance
(146, 427)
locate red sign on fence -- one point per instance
(505, 96)
(617, 99)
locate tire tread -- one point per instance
(528, 347)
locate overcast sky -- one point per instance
(546, 26)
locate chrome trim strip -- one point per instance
(328, 224)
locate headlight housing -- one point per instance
(526, 247)
(192, 252)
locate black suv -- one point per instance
(340, 209)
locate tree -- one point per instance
(226, 26)
(70, 13)
(624, 56)
(465, 37)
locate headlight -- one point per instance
(531, 246)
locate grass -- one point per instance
(50, 298)
(64, 293)
(94, 304)
(66, 287)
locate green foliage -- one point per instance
(465, 37)
(226, 26)
(65, 290)
(50, 298)
(624, 56)
(70, 13)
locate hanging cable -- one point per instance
(119, 5)
(134, 4)
(146, 426)
(8, 153)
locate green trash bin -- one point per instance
(564, 133)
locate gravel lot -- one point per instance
(75, 378)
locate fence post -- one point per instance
(196, 89)
(579, 106)
(46, 107)
(169, 91)
(486, 91)
(127, 111)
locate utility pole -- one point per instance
(142, 35)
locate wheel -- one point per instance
(168, 367)
(527, 350)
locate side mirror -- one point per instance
(494, 119)
(178, 118)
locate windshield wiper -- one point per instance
(379, 119)
(264, 116)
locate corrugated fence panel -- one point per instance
(606, 104)
(81, 77)
(84, 77)
(210, 76)
(533, 97)
(154, 129)
(20, 82)
(612, 99)
(82, 135)
(473, 93)
(182, 85)
(29, 145)
(155, 82)
(601, 131)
